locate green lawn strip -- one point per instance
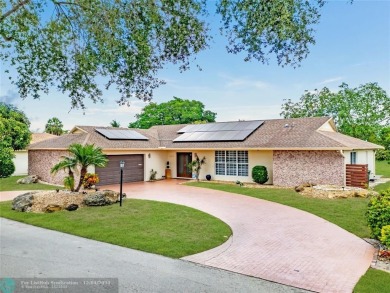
(373, 281)
(382, 168)
(161, 228)
(349, 213)
(9, 184)
(382, 186)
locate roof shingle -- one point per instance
(296, 133)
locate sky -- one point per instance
(352, 46)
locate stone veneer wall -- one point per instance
(40, 163)
(291, 168)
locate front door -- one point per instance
(183, 170)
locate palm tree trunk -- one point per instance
(71, 175)
(82, 175)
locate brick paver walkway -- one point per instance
(270, 241)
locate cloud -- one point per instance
(242, 82)
(247, 112)
(10, 97)
(134, 108)
(331, 80)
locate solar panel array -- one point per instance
(121, 134)
(219, 131)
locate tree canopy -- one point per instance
(362, 112)
(14, 135)
(71, 45)
(14, 127)
(176, 111)
(54, 126)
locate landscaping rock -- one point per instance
(28, 180)
(51, 208)
(23, 202)
(72, 207)
(101, 198)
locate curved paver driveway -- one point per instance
(270, 241)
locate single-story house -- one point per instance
(21, 156)
(294, 151)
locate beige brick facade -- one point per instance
(291, 168)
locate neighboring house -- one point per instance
(293, 150)
(21, 156)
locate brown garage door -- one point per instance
(132, 172)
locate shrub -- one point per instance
(7, 167)
(153, 174)
(378, 212)
(238, 182)
(385, 235)
(69, 183)
(382, 155)
(90, 179)
(260, 174)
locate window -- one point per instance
(353, 157)
(231, 163)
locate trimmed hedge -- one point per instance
(260, 174)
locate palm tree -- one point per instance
(115, 123)
(86, 156)
(68, 164)
(54, 126)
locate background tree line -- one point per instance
(362, 112)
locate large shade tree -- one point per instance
(176, 111)
(14, 127)
(71, 44)
(362, 112)
(14, 135)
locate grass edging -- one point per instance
(9, 184)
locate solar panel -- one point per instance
(120, 134)
(219, 131)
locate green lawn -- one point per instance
(9, 184)
(373, 281)
(382, 168)
(382, 186)
(346, 213)
(161, 228)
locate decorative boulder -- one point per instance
(23, 202)
(101, 198)
(72, 207)
(28, 180)
(51, 208)
(301, 187)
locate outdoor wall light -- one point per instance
(149, 155)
